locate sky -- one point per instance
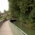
(3, 5)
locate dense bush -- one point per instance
(23, 10)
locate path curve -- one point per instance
(5, 29)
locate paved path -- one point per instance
(5, 29)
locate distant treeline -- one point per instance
(24, 11)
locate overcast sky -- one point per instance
(3, 5)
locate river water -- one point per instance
(26, 29)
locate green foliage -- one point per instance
(23, 10)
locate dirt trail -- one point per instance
(5, 29)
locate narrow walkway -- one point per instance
(5, 29)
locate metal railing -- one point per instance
(16, 30)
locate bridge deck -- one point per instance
(5, 29)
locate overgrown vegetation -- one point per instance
(24, 11)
